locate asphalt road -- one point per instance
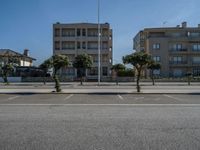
(99, 122)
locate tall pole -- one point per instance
(99, 46)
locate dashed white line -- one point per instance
(14, 97)
(68, 97)
(120, 97)
(172, 97)
(137, 98)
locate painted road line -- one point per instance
(172, 97)
(68, 97)
(120, 97)
(138, 98)
(136, 105)
(14, 97)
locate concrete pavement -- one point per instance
(122, 88)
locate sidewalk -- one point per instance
(103, 88)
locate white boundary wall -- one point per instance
(12, 79)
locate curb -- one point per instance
(103, 93)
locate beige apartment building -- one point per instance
(177, 49)
(78, 38)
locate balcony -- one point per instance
(196, 63)
(178, 63)
(179, 51)
(185, 38)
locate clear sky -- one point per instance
(28, 23)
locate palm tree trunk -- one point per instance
(81, 71)
(5, 79)
(138, 81)
(57, 83)
(152, 77)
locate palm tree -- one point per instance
(7, 66)
(81, 63)
(5, 70)
(139, 60)
(59, 61)
(117, 68)
(56, 62)
(153, 66)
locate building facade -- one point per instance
(177, 49)
(79, 38)
(23, 60)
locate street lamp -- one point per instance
(99, 42)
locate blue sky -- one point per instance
(28, 23)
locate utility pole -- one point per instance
(99, 46)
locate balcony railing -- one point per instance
(178, 62)
(179, 50)
(196, 63)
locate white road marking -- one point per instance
(14, 97)
(137, 98)
(120, 97)
(151, 105)
(172, 97)
(68, 97)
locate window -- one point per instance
(105, 45)
(177, 59)
(92, 45)
(66, 32)
(196, 72)
(105, 71)
(156, 46)
(92, 32)
(196, 47)
(83, 45)
(196, 60)
(57, 32)
(156, 58)
(78, 32)
(105, 58)
(177, 47)
(78, 45)
(57, 45)
(194, 34)
(68, 45)
(83, 32)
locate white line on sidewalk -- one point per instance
(172, 97)
(68, 97)
(120, 97)
(146, 105)
(14, 97)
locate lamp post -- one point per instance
(99, 42)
